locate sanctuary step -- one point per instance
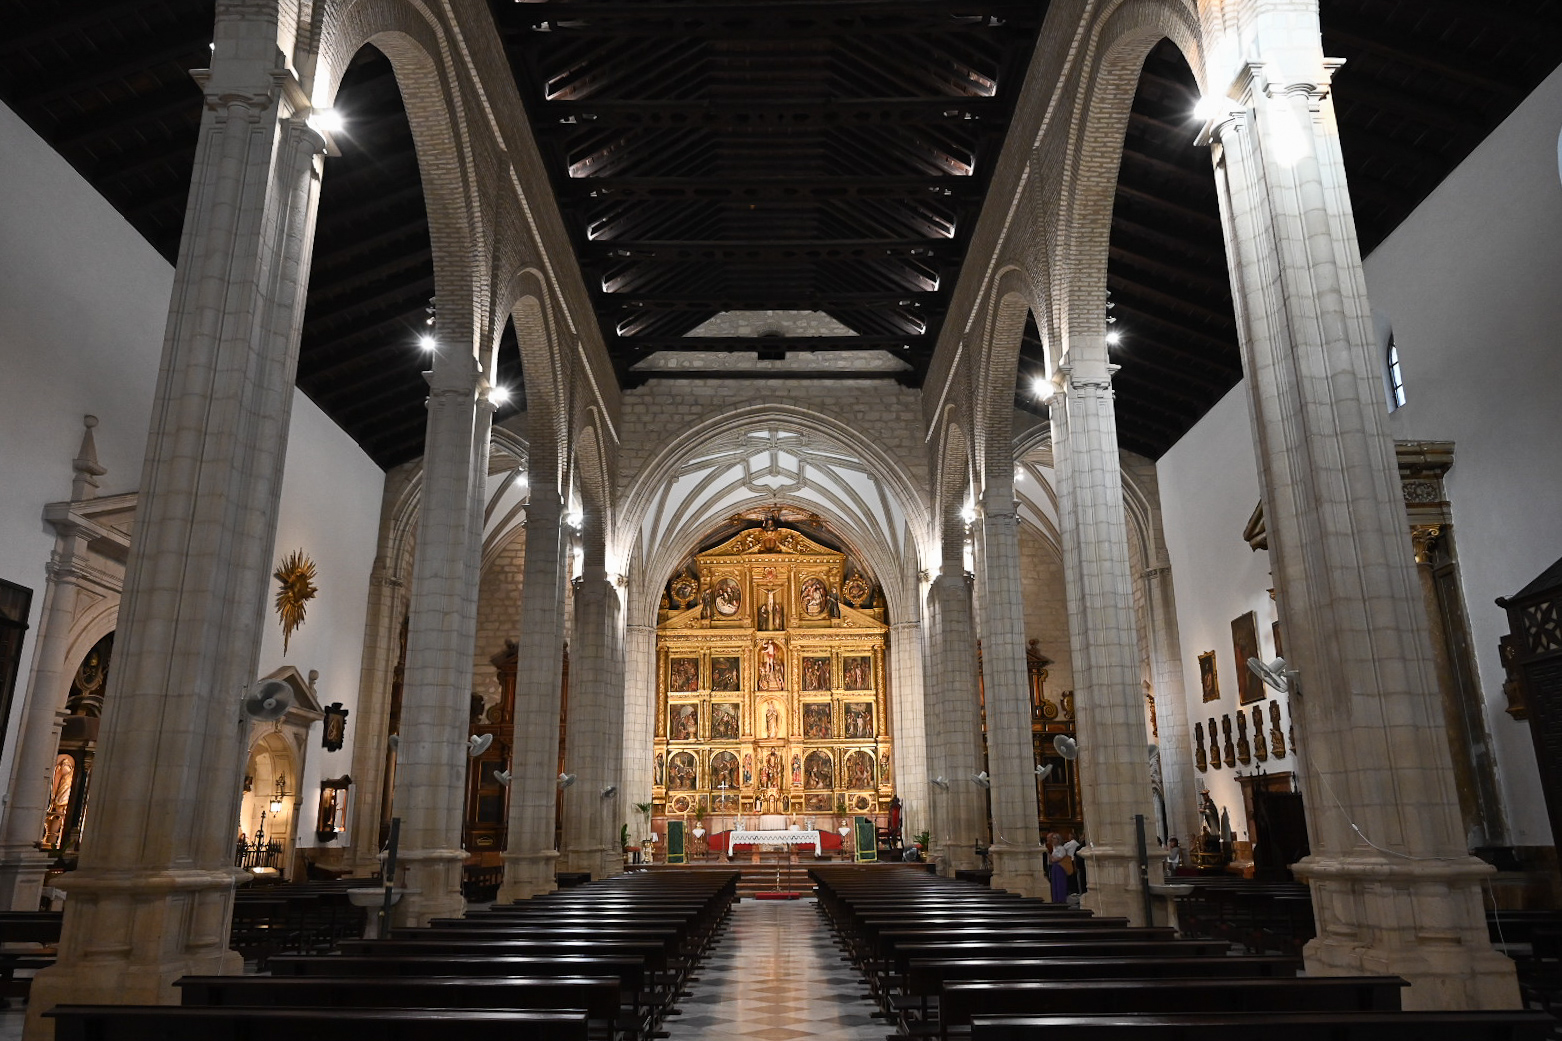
(757, 878)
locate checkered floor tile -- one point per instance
(777, 976)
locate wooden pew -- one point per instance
(178, 1023)
(1517, 1025)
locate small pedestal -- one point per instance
(374, 899)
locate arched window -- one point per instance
(1395, 376)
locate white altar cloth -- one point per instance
(774, 838)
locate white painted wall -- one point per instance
(1209, 487)
(1472, 286)
(83, 304)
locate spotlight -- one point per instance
(1042, 388)
(426, 342)
(326, 121)
(1114, 337)
(499, 395)
(1209, 108)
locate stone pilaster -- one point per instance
(1108, 703)
(1393, 888)
(1171, 705)
(153, 896)
(954, 743)
(909, 715)
(1018, 858)
(381, 648)
(530, 857)
(593, 749)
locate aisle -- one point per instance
(777, 976)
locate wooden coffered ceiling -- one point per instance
(818, 155)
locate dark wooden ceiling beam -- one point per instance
(800, 189)
(796, 19)
(99, 70)
(810, 302)
(905, 377)
(1343, 34)
(652, 344)
(811, 250)
(707, 114)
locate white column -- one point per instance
(152, 898)
(381, 650)
(639, 722)
(909, 728)
(530, 856)
(1019, 863)
(954, 748)
(1108, 703)
(593, 749)
(1171, 707)
(1393, 888)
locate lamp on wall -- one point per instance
(278, 797)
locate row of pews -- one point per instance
(606, 961)
(949, 959)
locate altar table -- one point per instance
(774, 838)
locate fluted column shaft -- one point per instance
(1393, 888)
(1108, 704)
(153, 896)
(1017, 854)
(530, 856)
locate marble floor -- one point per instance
(777, 976)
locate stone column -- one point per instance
(909, 726)
(431, 760)
(1017, 854)
(153, 896)
(1394, 890)
(530, 856)
(381, 649)
(954, 747)
(639, 723)
(1171, 707)
(1108, 704)
(593, 749)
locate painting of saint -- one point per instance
(770, 773)
(729, 598)
(772, 719)
(819, 771)
(814, 597)
(725, 674)
(724, 724)
(859, 770)
(1209, 683)
(723, 770)
(1244, 644)
(772, 666)
(748, 770)
(797, 770)
(859, 718)
(857, 672)
(816, 722)
(661, 769)
(816, 673)
(683, 722)
(681, 772)
(683, 675)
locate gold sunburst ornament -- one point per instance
(296, 581)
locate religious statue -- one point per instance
(770, 614)
(797, 770)
(748, 770)
(770, 773)
(772, 666)
(772, 720)
(59, 802)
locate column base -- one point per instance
(599, 861)
(1115, 889)
(1020, 869)
(528, 874)
(1421, 919)
(433, 878)
(21, 878)
(951, 858)
(128, 936)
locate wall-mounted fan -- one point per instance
(1275, 674)
(565, 780)
(941, 783)
(982, 780)
(1066, 746)
(1044, 772)
(268, 700)
(477, 744)
(503, 777)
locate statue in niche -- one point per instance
(59, 802)
(771, 617)
(770, 773)
(748, 769)
(1260, 746)
(661, 769)
(772, 666)
(772, 720)
(1276, 735)
(1228, 747)
(884, 769)
(797, 770)
(1214, 744)
(1244, 750)
(1198, 748)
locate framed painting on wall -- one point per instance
(1244, 644)
(1209, 683)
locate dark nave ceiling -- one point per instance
(806, 155)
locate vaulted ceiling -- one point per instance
(813, 155)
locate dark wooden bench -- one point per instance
(962, 1000)
(178, 1023)
(1308, 1026)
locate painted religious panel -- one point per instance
(1209, 683)
(771, 615)
(816, 673)
(857, 672)
(859, 770)
(817, 722)
(858, 718)
(724, 721)
(683, 723)
(723, 771)
(727, 599)
(772, 666)
(726, 673)
(1244, 643)
(818, 771)
(814, 597)
(682, 773)
(683, 675)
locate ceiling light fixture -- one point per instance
(499, 395)
(326, 121)
(426, 342)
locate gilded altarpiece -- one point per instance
(771, 693)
